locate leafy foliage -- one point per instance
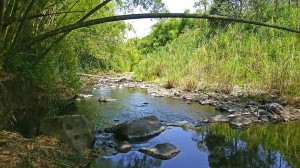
(96, 47)
(164, 32)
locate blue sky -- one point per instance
(143, 26)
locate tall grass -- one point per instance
(251, 57)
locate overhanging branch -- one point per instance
(151, 15)
(143, 16)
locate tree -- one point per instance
(57, 57)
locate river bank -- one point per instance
(22, 151)
(187, 126)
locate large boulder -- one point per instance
(74, 130)
(138, 129)
(162, 151)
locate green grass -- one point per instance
(258, 59)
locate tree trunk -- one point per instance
(2, 9)
(41, 56)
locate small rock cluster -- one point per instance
(137, 130)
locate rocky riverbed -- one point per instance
(238, 107)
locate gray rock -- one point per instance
(219, 118)
(254, 119)
(106, 99)
(137, 129)
(123, 147)
(232, 110)
(264, 118)
(223, 107)
(84, 96)
(253, 103)
(162, 151)
(180, 124)
(262, 112)
(187, 97)
(240, 121)
(204, 102)
(278, 109)
(123, 80)
(231, 115)
(73, 130)
(159, 94)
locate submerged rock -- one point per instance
(106, 99)
(162, 151)
(74, 130)
(137, 129)
(124, 147)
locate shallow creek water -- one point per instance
(271, 145)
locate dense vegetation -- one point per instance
(57, 60)
(196, 53)
(187, 53)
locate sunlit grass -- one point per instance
(265, 59)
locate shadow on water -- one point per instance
(273, 145)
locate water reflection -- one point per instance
(189, 155)
(259, 146)
(213, 146)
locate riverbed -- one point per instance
(200, 145)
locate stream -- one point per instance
(217, 145)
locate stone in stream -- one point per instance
(264, 118)
(138, 129)
(74, 130)
(181, 124)
(263, 112)
(84, 96)
(253, 103)
(106, 99)
(219, 118)
(124, 147)
(161, 151)
(239, 122)
(122, 80)
(278, 109)
(222, 108)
